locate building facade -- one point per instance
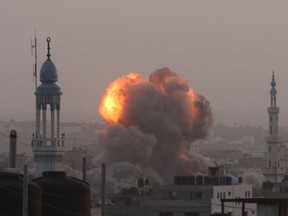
(233, 192)
(188, 196)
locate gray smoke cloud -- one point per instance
(161, 117)
(254, 178)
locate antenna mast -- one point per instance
(34, 47)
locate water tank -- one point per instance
(177, 180)
(185, 180)
(180, 180)
(63, 196)
(191, 180)
(199, 180)
(229, 180)
(215, 180)
(11, 195)
(207, 180)
(270, 185)
(265, 186)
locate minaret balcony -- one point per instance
(273, 139)
(273, 109)
(48, 144)
(48, 149)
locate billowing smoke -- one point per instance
(254, 178)
(151, 126)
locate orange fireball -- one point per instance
(114, 99)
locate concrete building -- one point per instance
(265, 206)
(229, 192)
(47, 142)
(275, 167)
(188, 196)
(274, 189)
(165, 200)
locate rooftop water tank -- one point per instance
(11, 195)
(63, 195)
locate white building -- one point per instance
(275, 167)
(47, 142)
(265, 206)
(233, 192)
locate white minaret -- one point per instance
(275, 168)
(47, 143)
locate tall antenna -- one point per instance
(34, 47)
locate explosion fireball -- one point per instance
(152, 124)
(114, 100)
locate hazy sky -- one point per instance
(225, 49)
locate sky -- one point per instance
(225, 49)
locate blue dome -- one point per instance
(48, 72)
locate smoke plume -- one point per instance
(151, 126)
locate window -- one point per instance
(269, 148)
(199, 195)
(229, 193)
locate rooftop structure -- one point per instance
(188, 196)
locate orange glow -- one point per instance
(118, 95)
(184, 156)
(115, 98)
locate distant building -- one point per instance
(188, 196)
(275, 166)
(47, 142)
(274, 189)
(265, 206)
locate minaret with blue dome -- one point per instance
(47, 142)
(275, 167)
